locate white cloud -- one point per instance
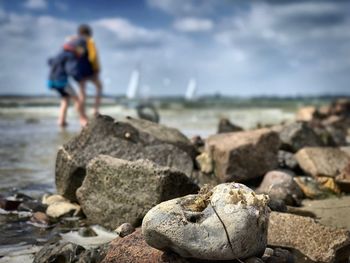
(185, 7)
(127, 33)
(36, 4)
(192, 24)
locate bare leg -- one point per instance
(78, 106)
(82, 97)
(63, 112)
(98, 85)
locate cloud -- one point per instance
(126, 34)
(185, 7)
(192, 24)
(36, 4)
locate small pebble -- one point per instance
(125, 229)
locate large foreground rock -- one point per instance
(317, 242)
(227, 222)
(116, 191)
(241, 156)
(130, 140)
(322, 161)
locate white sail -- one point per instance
(191, 89)
(133, 88)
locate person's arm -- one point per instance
(93, 57)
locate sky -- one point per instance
(231, 47)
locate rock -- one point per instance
(277, 205)
(59, 206)
(133, 248)
(280, 185)
(198, 143)
(315, 241)
(225, 223)
(329, 183)
(125, 229)
(9, 204)
(253, 260)
(130, 139)
(322, 161)
(340, 107)
(241, 156)
(205, 162)
(59, 252)
(278, 255)
(94, 255)
(87, 232)
(32, 206)
(333, 212)
(117, 191)
(310, 187)
(40, 218)
(226, 126)
(161, 134)
(343, 179)
(287, 160)
(306, 113)
(298, 135)
(202, 179)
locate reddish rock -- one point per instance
(133, 248)
(240, 156)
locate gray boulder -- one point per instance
(280, 185)
(225, 223)
(239, 156)
(115, 191)
(130, 140)
(298, 135)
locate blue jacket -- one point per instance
(64, 64)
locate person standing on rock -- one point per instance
(88, 66)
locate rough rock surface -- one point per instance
(226, 222)
(130, 140)
(59, 252)
(241, 156)
(133, 248)
(322, 161)
(63, 252)
(117, 191)
(298, 135)
(280, 185)
(318, 242)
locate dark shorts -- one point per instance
(65, 92)
(84, 70)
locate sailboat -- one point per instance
(134, 85)
(191, 90)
